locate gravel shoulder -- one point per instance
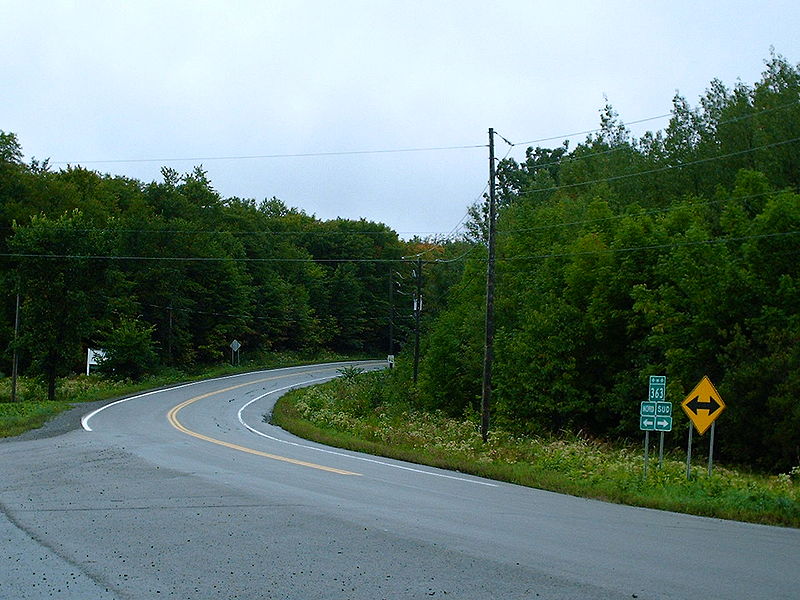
(62, 423)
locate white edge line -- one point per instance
(334, 452)
(85, 418)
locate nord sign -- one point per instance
(703, 405)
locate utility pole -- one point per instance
(391, 313)
(488, 355)
(417, 311)
(15, 362)
(169, 335)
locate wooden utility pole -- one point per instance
(391, 313)
(488, 355)
(15, 360)
(169, 335)
(417, 311)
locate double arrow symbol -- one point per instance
(711, 406)
(659, 422)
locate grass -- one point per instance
(20, 417)
(368, 413)
(32, 409)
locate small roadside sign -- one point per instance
(658, 387)
(647, 413)
(93, 358)
(663, 423)
(703, 405)
(235, 346)
(663, 416)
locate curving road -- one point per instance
(187, 493)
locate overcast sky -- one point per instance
(146, 81)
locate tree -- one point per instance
(62, 289)
(129, 349)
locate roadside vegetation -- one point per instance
(376, 413)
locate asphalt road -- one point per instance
(187, 493)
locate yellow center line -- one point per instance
(172, 417)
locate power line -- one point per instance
(228, 232)
(272, 156)
(445, 261)
(389, 260)
(330, 153)
(657, 117)
(571, 157)
(588, 131)
(667, 168)
(460, 224)
(200, 258)
(277, 317)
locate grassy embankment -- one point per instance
(371, 413)
(32, 409)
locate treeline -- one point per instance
(168, 273)
(677, 254)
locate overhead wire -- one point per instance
(588, 131)
(272, 156)
(450, 235)
(666, 168)
(198, 258)
(570, 158)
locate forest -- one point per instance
(168, 273)
(674, 253)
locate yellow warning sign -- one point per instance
(703, 405)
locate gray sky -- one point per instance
(86, 81)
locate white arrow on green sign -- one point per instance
(663, 424)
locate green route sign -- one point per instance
(658, 387)
(655, 416)
(663, 416)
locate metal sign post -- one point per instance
(711, 449)
(663, 424)
(647, 422)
